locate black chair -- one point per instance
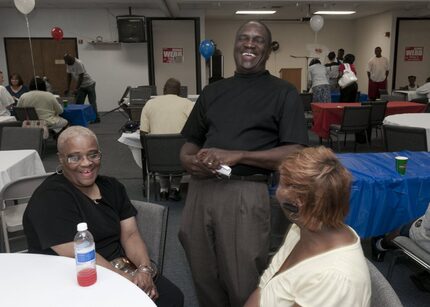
(306, 100)
(16, 138)
(161, 154)
(355, 120)
(183, 91)
(25, 113)
(398, 138)
(152, 224)
(152, 87)
(9, 124)
(394, 97)
(140, 95)
(377, 115)
(409, 248)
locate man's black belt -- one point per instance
(256, 177)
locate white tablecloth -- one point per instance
(15, 164)
(420, 120)
(409, 94)
(41, 280)
(132, 140)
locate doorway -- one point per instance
(48, 59)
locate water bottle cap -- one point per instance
(82, 226)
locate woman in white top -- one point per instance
(321, 262)
(318, 80)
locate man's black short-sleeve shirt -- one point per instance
(249, 112)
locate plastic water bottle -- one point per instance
(85, 256)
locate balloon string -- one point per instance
(316, 37)
(31, 50)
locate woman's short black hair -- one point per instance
(41, 85)
(314, 61)
(349, 58)
(331, 55)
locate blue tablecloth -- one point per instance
(381, 199)
(79, 114)
(335, 96)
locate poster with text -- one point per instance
(414, 53)
(173, 55)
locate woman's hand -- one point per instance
(144, 281)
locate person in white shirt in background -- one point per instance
(425, 89)
(164, 115)
(5, 98)
(377, 72)
(318, 80)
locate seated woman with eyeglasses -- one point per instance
(75, 194)
(321, 262)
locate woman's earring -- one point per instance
(59, 170)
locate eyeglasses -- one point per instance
(77, 158)
(290, 207)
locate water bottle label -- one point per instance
(86, 257)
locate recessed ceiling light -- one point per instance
(255, 12)
(334, 13)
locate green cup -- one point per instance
(401, 164)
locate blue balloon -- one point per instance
(207, 49)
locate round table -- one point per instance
(41, 280)
(419, 120)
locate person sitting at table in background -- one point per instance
(6, 100)
(332, 68)
(425, 89)
(318, 81)
(348, 93)
(85, 85)
(45, 104)
(412, 86)
(77, 193)
(321, 262)
(163, 115)
(16, 86)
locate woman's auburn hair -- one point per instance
(319, 184)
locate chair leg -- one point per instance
(367, 139)
(344, 140)
(355, 142)
(394, 260)
(148, 186)
(5, 237)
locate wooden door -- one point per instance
(48, 59)
(293, 75)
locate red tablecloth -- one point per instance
(325, 114)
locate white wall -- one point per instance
(113, 67)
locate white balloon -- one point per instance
(316, 23)
(24, 6)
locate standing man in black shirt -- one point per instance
(249, 122)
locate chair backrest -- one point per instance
(152, 87)
(152, 223)
(306, 100)
(9, 124)
(393, 97)
(162, 152)
(20, 189)
(377, 114)
(140, 95)
(183, 91)
(356, 118)
(25, 113)
(16, 138)
(383, 91)
(399, 138)
(382, 292)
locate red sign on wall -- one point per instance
(173, 55)
(414, 53)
